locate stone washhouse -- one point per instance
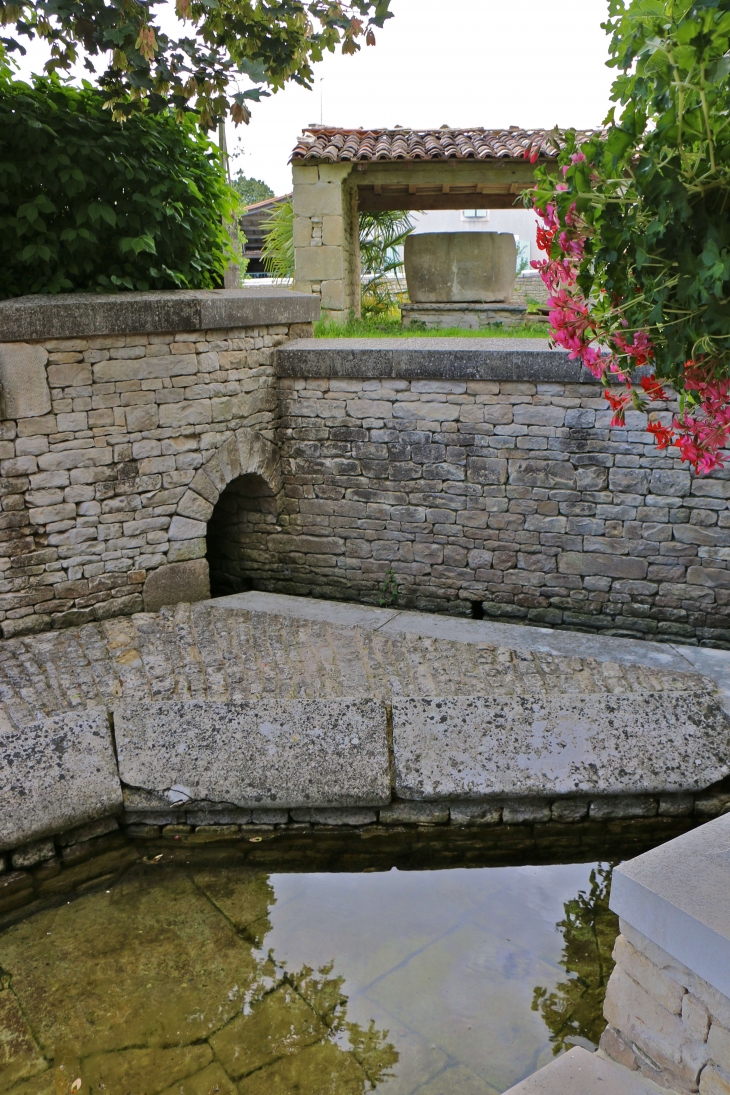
(155, 445)
(339, 172)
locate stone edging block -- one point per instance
(79, 315)
(56, 774)
(254, 753)
(616, 744)
(427, 358)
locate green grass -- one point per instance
(389, 326)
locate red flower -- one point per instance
(662, 434)
(618, 404)
(653, 389)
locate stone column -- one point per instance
(326, 242)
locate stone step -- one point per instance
(581, 1073)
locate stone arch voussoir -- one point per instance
(185, 576)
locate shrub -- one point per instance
(89, 204)
(636, 228)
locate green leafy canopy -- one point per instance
(87, 204)
(231, 44)
(251, 190)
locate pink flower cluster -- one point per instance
(598, 343)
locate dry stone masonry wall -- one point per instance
(668, 999)
(666, 1020)
(102, 435)
(517, 496)
(154, 442)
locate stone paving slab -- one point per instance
(472, 747)
(284, 753)
(523, 637)
(263, 649)
(54, 774)
(581, 1073)
(224, 653)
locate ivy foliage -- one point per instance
(652, 192)
(89, 204)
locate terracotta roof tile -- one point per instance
(334, 145)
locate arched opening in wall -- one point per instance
(238, 531)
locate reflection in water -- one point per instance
(229, 981)
(161, 986)
(573, 1011)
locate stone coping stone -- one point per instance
(579, 1072)
(56, 774)
(562, 744)
(678, 896)
(282, 753)
(714, 664)
(80, 315)
(525, 359)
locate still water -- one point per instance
(237, 982)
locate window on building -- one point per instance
(475, 214)
(523, 256)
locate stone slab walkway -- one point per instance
(220, 703)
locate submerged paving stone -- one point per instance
(148, 1070)
(55, 774)
(282, 753)
(610, 745)
(183, 974)
(211, 1081)
(20, 1057)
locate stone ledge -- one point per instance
(56, 774)
(78, 315)
(523, 359)
(579, 1072)
(677, 896)
(565, 744)
(261, 753)
(714, 664)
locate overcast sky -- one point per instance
(529, 63)
(492, 63)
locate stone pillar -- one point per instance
(668, 998)
(326, 241)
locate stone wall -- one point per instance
(668, 998)
(512, 499)
(103, 433)
(144, 432)
(665, 1020)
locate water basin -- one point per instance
(231, 979)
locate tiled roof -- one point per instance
(267, 203)
(333, 145)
